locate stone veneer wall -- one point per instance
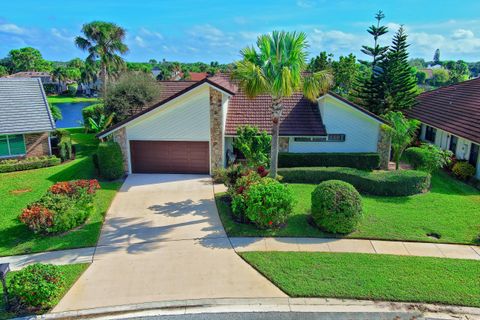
(120, 137)
(283, 143)
(37, 144)
(216, 129)
(384, 147)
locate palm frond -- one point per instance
(316, 84)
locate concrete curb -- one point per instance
(334, 308)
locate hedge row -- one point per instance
(381, 183)
(364, 161)
(28, 163)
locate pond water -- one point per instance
(72, 114)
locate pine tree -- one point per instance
(399, 79)
(436, 57)
(370, 92)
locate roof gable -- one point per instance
(24, 107)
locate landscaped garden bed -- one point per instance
(21, 188)
(10, 165)
(38, 288)
(372, 277)
(448, 211)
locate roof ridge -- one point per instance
(449, 86)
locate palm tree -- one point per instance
(402, 131)
(59, 74)
(103, 41)
(278, 70)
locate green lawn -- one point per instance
(450, 209)
(72, 272)
(369, 276)
(20, 188)
(68, 99)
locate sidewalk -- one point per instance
(72, 256)
(242, 244)
(422, 249)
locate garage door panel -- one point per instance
(169, 157)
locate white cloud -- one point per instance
(140, 42)
(149, 33)
(463, 34)
(12, 29)
(306, 4)
(62, 35)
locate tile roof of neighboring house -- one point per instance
(29, 74)
(195, 76)
(455, 109)
(169, 88)
(24, 106)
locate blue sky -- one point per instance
(216, 30)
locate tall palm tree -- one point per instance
(278, 69)
(103, 41)
(59, 74)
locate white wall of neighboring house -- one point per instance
(442, 139)
(361, 131)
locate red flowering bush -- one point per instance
(37, 218)
(238, 195)
(262, 171)
(66, 205)
(75, 186)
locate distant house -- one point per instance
(194, 76)
(45, 77)
(192, 127)
(450, 119)
(25, 119)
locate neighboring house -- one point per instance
(25, 119)
(450, 119)
(192, 128)
(45, 77)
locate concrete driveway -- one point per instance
(163, 240)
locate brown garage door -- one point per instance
(169, 157)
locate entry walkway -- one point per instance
(163, 240)
(357, 245)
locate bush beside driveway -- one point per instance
(21, 188)
(448, 210)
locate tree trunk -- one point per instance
(277, 109)
(104, 80)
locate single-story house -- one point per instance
(44, 76)
(191, 129)
(450, 119)
(25, 119)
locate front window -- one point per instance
(12, 145)
(336, 137)
(430, 134)
(474, 150)
(453, 144)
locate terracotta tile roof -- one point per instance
(195, 76)
(169, 88)
(300, 116)
(455, 109)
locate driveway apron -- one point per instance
(163, 240)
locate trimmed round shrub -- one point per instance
(72, 89)
(463, 170)
(110, 160)
(36, 286)
(336, 206)
(268, 203)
